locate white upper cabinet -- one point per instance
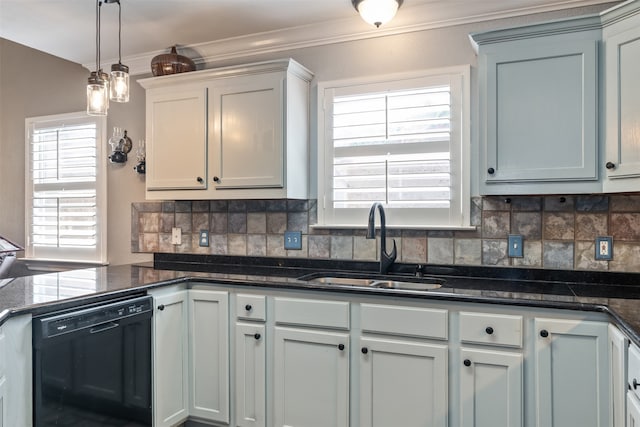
(229, 133)
(621, 163)
(538, 88)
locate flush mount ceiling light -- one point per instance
(377, 12)
(101, 86)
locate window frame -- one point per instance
(79, 255)
(459, 78)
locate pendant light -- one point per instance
(377, 12)
(98, 83)
(119, 72)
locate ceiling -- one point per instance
(66, 28)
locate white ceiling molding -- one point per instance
(421, 18)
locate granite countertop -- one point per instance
(617, 294)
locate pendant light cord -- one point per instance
(119, 33)
(98, 8)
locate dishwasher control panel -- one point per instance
(57, 324)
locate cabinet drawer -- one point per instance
(491, 329)
(409, 321)
(251, 307)
(306, 312)
(633, 374)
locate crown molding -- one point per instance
(421, 18)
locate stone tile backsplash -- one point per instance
(559, 232)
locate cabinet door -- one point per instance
(3, 394)
(177, 139)
(402, 383)
(633, 411)
(247, 132)
(491, 390)
(311, 378)
(170, 359)
(250, 357)
(622, 110)
(572, 366)
(209, 355)
(618, 344)
(541, 111)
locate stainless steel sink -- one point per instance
(421, 284)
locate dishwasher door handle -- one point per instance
(104, 327)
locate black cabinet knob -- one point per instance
(216, 179)
(635, 384)
(544, 333)
(491, 171)
(365, 350)
(200, 180)
(161, 307)
(248, 307)
(610, 165)
(489, 330)
(467, 362)
(256, 336)
(340, 347)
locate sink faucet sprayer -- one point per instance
(386, 260)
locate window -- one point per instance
(399, 140)
(66, 188)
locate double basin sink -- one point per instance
(375, 281)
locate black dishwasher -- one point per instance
(92, 367)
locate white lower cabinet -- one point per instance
(618, 344)
(572, 367)
(209, 355)
(170, 359)
(251, 375)
(633, 410)
(311, 378)
(491, 388)
(402, 383)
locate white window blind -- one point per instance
(398, 142)
(67, 284)
(66, 188)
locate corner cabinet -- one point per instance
(621, 163)
(229, 133)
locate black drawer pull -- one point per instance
(365, 350)
(491, 171)
(489, 330)
(256, 336)
(161, 307)
(200, 180)
(635, 384)
(467, 362)
(544, 333)
(340, 347)
(248, 307)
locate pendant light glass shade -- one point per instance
(98, 94)
(119, 72)
(119, 83)
(377, 12)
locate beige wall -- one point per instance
(33, 83)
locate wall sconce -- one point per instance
(141, 167)
(377, 12)
(120, 146)
(101, 86)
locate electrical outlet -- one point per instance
(203, 239)
(515, 246)
(176, 236)
(293, 240)
(604, 248)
